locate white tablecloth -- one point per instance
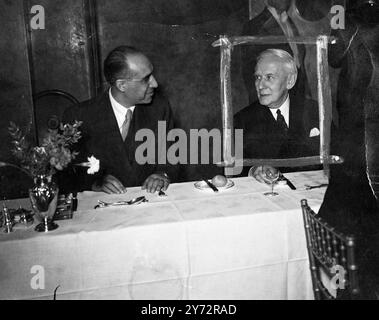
(192, 244)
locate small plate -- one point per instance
(203, 186)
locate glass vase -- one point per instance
(44, 197)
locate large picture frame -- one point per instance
(232, 160)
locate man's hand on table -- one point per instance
(156, 182)
(259, 173)
(109, 184)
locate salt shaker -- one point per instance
(7, 220)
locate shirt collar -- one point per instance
(284, 109)
(119, 110)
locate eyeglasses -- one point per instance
(143, 80)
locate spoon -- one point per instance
(138, 200)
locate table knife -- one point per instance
(289, 183)
(211, 185)
(74, 201)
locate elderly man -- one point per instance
(280, 124)
(111, 121)
(273, 21)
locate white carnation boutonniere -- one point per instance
(93, 165)
(314, 133)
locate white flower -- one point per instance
(94, 165)
(314, 132)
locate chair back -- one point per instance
(14, 183)
(331, 258)
(49, 106)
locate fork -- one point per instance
(102, 204)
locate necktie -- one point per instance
(125, 126)
(287, 28)
(281, 121)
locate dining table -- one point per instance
(190, 244)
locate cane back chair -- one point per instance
(331, 258)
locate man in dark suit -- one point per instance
(111, 121)
(281, 124)
(351, 199)
(272, 21)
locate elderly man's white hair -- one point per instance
(283, 55)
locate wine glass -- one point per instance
(271, 175)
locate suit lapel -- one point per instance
(110, 120)
(269, 22)
(296, 115)
(138, 122)
(272, 125)
(268, 117)
(109, 128)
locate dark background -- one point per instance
(68, 54)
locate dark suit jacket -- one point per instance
(265, 25)
(263, 138)
(101, 137)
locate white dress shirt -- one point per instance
(284, 109)
(119, 110)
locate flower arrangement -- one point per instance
(53, 155)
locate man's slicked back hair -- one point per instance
(283, 55)
(116, 64)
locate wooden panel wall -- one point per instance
(15, 77)
(15, 92)
(61, 52)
